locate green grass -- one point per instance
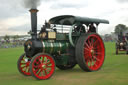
(113, 72)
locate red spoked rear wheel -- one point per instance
(91, 52)
(42, 66)
(94, 52)
(23, 65)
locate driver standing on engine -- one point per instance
(92, 28)
(43, 32)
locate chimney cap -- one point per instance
(33, 10)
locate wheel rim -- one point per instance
(43, 67)
(24, 65)
(94, 52)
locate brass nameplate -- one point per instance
(51, 35)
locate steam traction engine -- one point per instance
(122, 42)
(63, 42)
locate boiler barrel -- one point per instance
(33, 47)
(54, 47)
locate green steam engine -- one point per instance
(63, 42)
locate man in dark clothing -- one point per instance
(43, 33)
(43, 29)
(80, 28)
(92, 28)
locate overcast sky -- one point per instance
(15, 18)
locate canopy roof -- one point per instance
(70, 20)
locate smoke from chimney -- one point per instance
(33, 4)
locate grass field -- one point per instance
(113, 72)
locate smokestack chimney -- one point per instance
(34, 23)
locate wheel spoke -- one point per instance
(90, 62)
(37, 66)
(22, 63)
(49, 66)
(95, 64)
(42, 73)
(25, 69)
(87, 49)
(86, 54)
(46, 60)
(96, 47)
(95, 42)
(39, 72)
(87, 45)
(96, 58)
(48, 63)
(39, 60)
(23, 60)
(45, 71)
(97, 53)
(23, 66)
(42, 59)
(92, 41)
(87, 62)
(86, 58)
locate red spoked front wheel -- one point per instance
(90, 52)
(42, 66)
(23, 65)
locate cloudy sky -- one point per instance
(15, 18)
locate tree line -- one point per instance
(7, 37)
(120, 28)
